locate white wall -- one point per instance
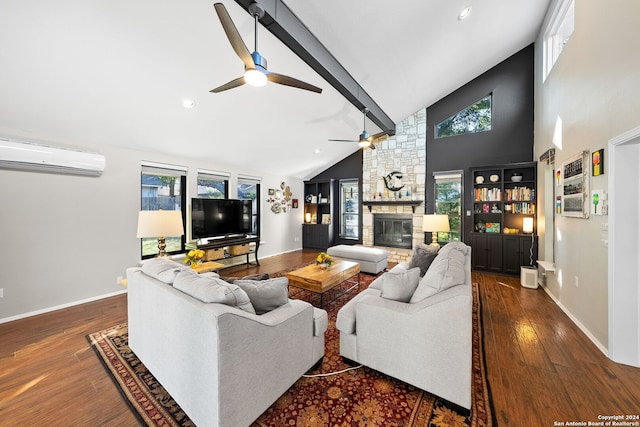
(595, 89)
(65, 239)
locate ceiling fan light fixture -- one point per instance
(255, 78)
(364, 144)
(464, 13)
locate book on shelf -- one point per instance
(488, 194)
(520, 193)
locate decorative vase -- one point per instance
(323, 266)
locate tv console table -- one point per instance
(231, 241)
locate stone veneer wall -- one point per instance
(404, 152)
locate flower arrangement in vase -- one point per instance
(324, 260)
(194, 257)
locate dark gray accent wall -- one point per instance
(348, 168)
(511, 137)
(509, 141)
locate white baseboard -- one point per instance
(60, 307)
(575, 320)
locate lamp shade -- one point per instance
(527, 225)
(160, 224)
(435, 223)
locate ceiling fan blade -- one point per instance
(290, 81)
(381, 136)
(234, 36)
(233, 83)
(343, 140)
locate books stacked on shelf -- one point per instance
(520, 193)
(488, 195)
(523, 208)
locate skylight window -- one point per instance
(473, 119)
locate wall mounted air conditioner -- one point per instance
(45, 158)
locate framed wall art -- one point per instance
(575, 186)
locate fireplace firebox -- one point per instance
(393, 230)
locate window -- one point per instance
(557, 34)
(448, 197)
(475, 118)
(213, 185)
(349, 209)
(249, 189)
(162, 188)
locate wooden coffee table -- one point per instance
(318, 280)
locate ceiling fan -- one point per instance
(366, 140)
(255, 65)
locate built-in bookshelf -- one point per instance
(317, 230)
(503, 196)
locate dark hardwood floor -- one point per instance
(541, 367)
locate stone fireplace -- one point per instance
(405, 152)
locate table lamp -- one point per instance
(160, 224)
(435, 223)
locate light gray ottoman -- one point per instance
(371, 260)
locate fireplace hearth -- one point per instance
(393, 230)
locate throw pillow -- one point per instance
(263, 276)
(422, 257)
(163, 269)
(266, 295)
(213, 289)
(447, 270)
(400, 286)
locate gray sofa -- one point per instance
(221, 363)
(416, 329)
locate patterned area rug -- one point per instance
(359, 397)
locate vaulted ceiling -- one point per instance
(117, 72)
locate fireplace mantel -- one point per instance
(413, 203)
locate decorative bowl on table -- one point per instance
(494, 178)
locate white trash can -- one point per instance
(529, 277)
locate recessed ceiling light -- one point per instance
(464, 13)
(317, 151)
(188, 103)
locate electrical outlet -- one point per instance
(119, 280)
(575, 281)
(1, 292)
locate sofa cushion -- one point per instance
(358, 253)
(446, 271)
(164, 269)
(213, 289)
(455, 246)
(423, 256)
(399, 286)
(263, 276)
(266, 295)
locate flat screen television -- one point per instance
(219, 217)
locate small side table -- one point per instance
(208, 266)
